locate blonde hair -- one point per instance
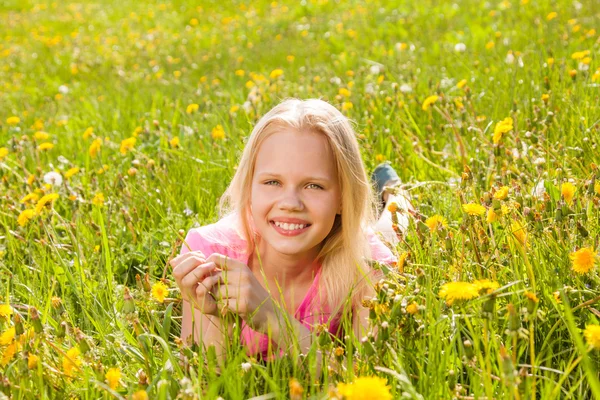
(345, 251)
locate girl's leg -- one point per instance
(385, 176)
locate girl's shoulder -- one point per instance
(379, 251)
(223, 237)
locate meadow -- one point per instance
(121, 123)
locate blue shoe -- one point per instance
(384, 176)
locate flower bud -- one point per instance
(35, 320)
(128, 303)
(18, 324)
(469, 349)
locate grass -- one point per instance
(115, 70)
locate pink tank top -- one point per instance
(224, 237)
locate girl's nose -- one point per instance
(291, 201)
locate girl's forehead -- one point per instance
(293, 151)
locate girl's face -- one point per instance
(295, 192)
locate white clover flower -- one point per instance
(64, 89)
(53, 178)
(405, 88)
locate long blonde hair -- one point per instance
(345, 251)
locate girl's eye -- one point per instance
(269, 183)
(315, 185)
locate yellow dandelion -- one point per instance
(436, 223)
(9, 353)
(296, 389)
(7, 336)
(32, 361)
(174, 143)
(13, 120)
(30, 197)
(502, 127)
(567, 190)
(95, 147)
(502, 193)
(379, 157)
(71, 361)
(44, 201)
(492, 216)
(412, 308)
(473, 209)
(160, 291)
(532, 297)
(429, 101)
(453, 291)
(597, 188)
(486, 285)
(218, 133)
(71, 172)
(88, 132)
(365, 388)
(250, 84)
(344, 92)
(113, 376)
(583, 260)
(5, 311)
(3, 152)
(461, 84)
(25, 216)
(127, 145)
(41, 135)
(240, 72)
(98, 200)
(592, 336)
(140, 395)
(519, 232)
(347, 105)
(551, 15)
(276, 73)
(192, 108)
(45, 146)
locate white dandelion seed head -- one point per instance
(53, 178)
(460, 47)
(63, 89)
(246, 366)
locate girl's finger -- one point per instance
(177, 260)
(224, 262)
(196, 274)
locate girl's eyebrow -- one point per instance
(310, 178)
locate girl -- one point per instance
(295, 239)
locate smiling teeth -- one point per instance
(289, 227)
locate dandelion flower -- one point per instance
(71, 361)
(13, 120)
(41, 135)
(276, 73)
(140, 395)
(98, 200)
(551, 15)
(567, 190)
(113, 376)
(365, 388)
(47, 199)
(53, 178)
(71, 172)
(45, 146)
(412, 308)
(3, 152)
(429, 101)
(191, 108)
(127, 145)
(502, 127)
(473, 209)
(453, 291)
(502, 193)
(9, 353)
(592, 336)
(519, 232)
(174, 143)
(218, 132)
(5, 311)
(95, 147)
(436, 223)
(532, 297)
(160, 291)
(296, 389)
(492, 216)
(7, 336)
(347, 105)
(88, 132)
(33, 197)
(461, 83)
(25, 216)
(486, 286)
(596, 186)
(344, 92)
(583, 260)
(32, 361)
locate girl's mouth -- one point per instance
(289, 229)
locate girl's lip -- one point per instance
(289, 233)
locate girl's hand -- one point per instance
(239, 291)
(195, 277)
